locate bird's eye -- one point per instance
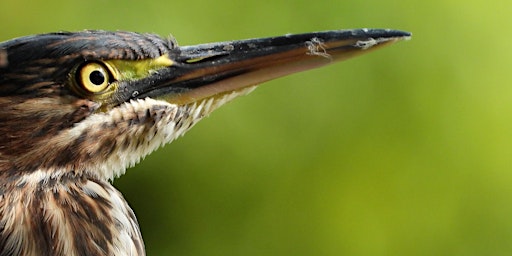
(93, 77)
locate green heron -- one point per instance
(77, 109)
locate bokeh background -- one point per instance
(405, 151)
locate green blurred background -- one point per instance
(405, 151)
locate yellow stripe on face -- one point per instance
(137, 69)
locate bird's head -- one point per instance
(96, 102)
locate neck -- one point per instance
(64, 214)
(57, 199)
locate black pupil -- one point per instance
(97, 77)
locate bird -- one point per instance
(79, 108)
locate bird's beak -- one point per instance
(212, 70)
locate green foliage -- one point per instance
(404, 151)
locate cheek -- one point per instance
(81, 109)
(29, 121)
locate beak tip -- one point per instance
(383, 34)
(374, 38)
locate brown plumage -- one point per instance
(77, 109)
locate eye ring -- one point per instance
(94, 77)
